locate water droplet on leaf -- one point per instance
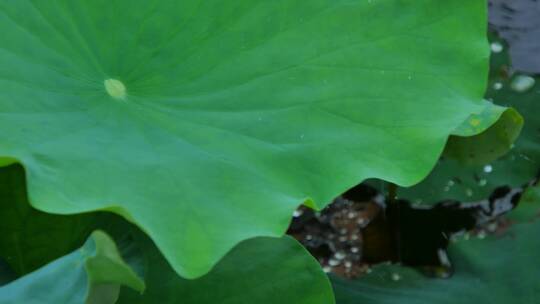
(522, 83)
(340, 255)
(496, 47)
(481, 235)
(333, 262)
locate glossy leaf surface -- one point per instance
(207, 123)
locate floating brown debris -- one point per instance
(358, 229)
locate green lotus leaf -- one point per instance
(261, 270)
(93, 274)
(470, 181)
(207, 123)
(486, 136)
(494, 270)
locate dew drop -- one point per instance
(522, 83)
(488, 168)
(525, 157)
(340, 255)
(396, 277)
(475, 122)
(492, 227)
(333, 262)
(496, 47)
(497, 86)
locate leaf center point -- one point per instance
(115, 88)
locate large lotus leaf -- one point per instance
(451, 179)
(91, 275)
(261, 270)
(208, 122)
(494, 270)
